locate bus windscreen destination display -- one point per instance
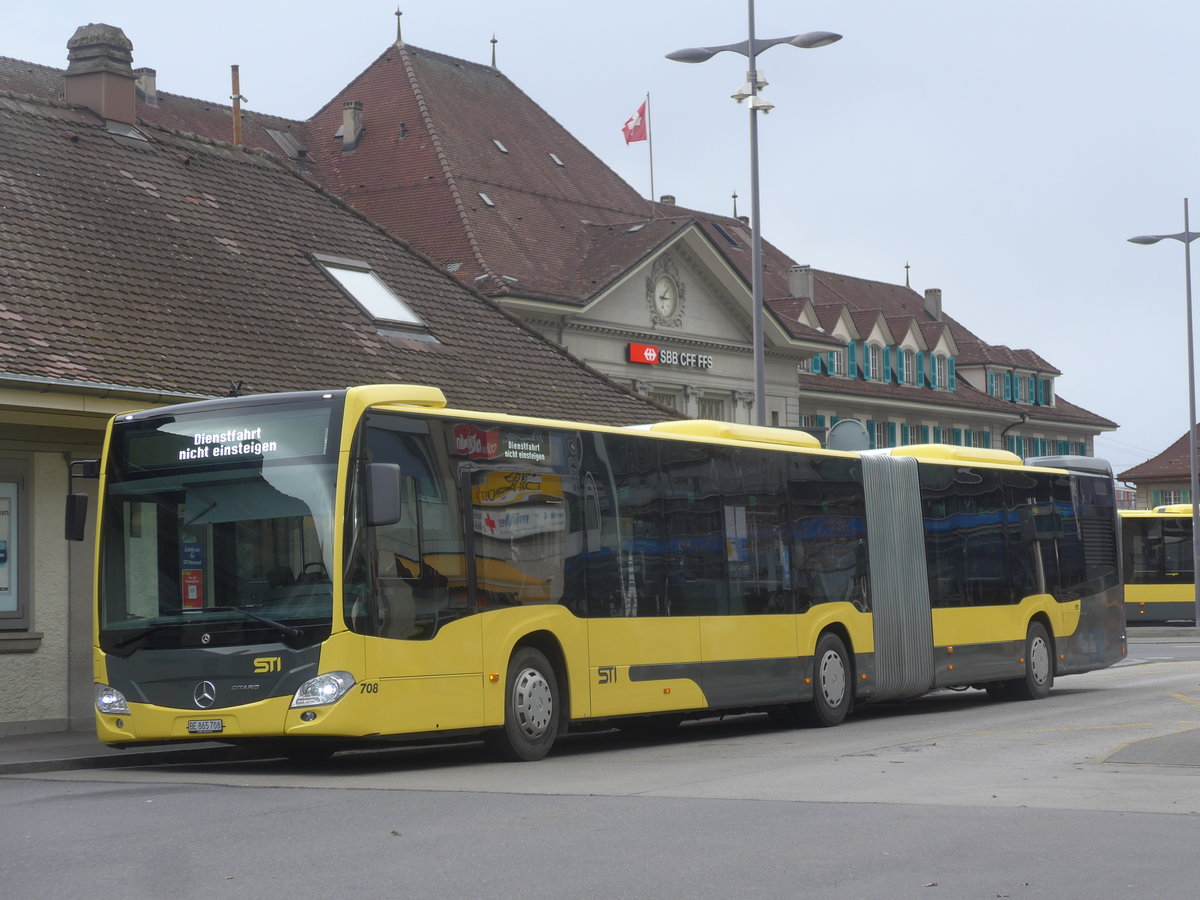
(248, 436)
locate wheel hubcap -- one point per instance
(1039, 661)
(533, 703)
(832, 678)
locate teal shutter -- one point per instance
(820, 421)
(851, 361)
(987, 439)
(1032, 388)
(921, 369)
(871, 434)
(1011, 440)
(1041, 397)
(1155, 498)
(1187, 495)
(1008, 386)
(950, 369)
(816, 364)
(937, 434)
(891, 433)
(957, 437)
(887, 363)
(1083, 448)
(833, 420)
(924, 434)
(899, 366)
(830, 363)
(991, 384)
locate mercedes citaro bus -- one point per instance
(318, 570)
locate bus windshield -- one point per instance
(217, 529)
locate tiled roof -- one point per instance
(182, 265)
(1172, 464)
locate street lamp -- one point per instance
(750, 48)
(1186, 237)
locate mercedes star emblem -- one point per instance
(205, 694)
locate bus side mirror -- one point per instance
(383, 494)
(77, 504)
(76, 518)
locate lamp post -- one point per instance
(750, 48)
(1186, 237)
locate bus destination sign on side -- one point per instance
(650, 355)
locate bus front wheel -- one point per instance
(1039, 666)
(833, 683)
(531, 708)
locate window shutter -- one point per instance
(1041, 397)
(1187, 495)
(950, 369)
(991, 384)
(816, 363)
(833, 420)
(1156, 498)
(1008, 386)
(937, 434)
(957, 437)
(987, 439)
(871, 434)
(921, 369)
(851, 361)
(887, 363)
(1083, 448)
(820, 421)
(899, 366)
(891, 433)
(1011, 440)
(924, 434)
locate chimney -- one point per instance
(352, 124)
(667, 199)
(800, 282)
(99, 75)
(147, 86)
(933, 303)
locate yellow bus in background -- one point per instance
(314, 571)
(1159, 576)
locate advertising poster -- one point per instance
(8, 562)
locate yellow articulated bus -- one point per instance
(1159, 579)
(312, 571)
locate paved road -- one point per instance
(1091, 793)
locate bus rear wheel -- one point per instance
(1039, 666)
(833, 683)
(531, 708)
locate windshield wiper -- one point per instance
(288, 631)
(137, 636)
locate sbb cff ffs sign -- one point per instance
(650, 355)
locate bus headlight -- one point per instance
(323, 690)
(110, 701)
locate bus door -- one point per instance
(643, 640)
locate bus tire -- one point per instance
(1039, 666)
(833, 683)
(531, 709)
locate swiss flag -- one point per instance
(635, 128)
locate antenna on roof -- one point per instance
(735, 203)
(906, 284)
(494, 43)
(399, 37)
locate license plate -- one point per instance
(205, 726)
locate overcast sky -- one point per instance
(1004, 150)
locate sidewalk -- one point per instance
(27, 753)
(58, 751)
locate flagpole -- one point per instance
(650, 146)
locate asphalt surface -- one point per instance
(59, 751)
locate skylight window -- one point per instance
(557, 161)
(499, 146)
(366, 289)
(486, 199)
